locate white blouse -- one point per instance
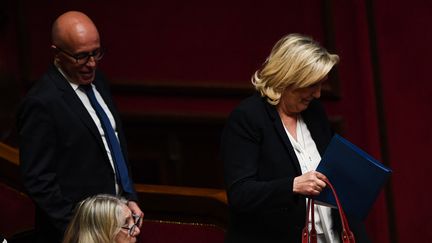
(309, 158)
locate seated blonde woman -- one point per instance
(103, 219)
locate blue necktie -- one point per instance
(113, 143)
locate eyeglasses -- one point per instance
(131, 229)
(83, 57)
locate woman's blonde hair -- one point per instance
(97, 219)
(295, 61)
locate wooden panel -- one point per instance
(144, 88)
(175, 149)
(9, 99)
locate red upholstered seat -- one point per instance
(154, 231)
(16, 210)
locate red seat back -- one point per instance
(179, 232)
(16, 211)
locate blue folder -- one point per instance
(356, 176)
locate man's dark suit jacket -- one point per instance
(63, 159)
(260, 166)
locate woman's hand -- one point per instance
(310, 183)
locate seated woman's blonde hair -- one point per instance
(97, 219)
(295, 61)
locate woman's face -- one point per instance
(123, 236)
(294, 101)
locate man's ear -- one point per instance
(55, 51)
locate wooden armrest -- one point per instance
(211, 194)
(9, 153)
(9, 167)
(184, 204)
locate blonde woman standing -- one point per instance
(272, 144)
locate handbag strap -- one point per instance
(347, 235)
(311, 236)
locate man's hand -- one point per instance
(133, 206)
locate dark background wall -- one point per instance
(179, 67)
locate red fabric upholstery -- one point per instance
(16, 211)
(166, 232)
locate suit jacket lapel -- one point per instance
(277, 122)
(314, 124)
(71, 98)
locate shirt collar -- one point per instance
(73, 85)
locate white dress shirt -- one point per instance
(309, 158)
(86, 102)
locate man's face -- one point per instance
(79, 48)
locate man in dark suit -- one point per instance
(65, 150)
